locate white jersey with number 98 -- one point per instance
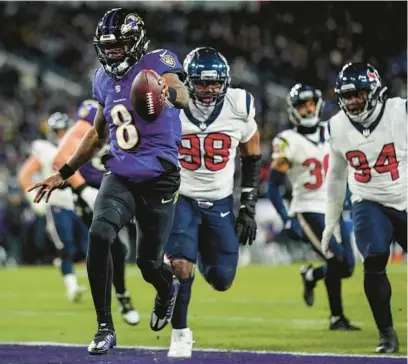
(209, 143)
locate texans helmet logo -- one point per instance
(371, 76)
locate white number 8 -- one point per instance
(126, 132)
(96, 161)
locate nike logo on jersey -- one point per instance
(223, 214)
(163, 201)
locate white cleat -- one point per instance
(181, 345)
(76, 295)
(126, 309)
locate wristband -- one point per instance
(66, 171)
(172, 95)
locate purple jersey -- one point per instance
(94, 169)
(137, 145)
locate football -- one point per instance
(146, 97)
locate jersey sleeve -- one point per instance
(399, 116)
(330, 132)
(281, 148)
(38, 148)
(97, 93)
(87, 111)
(164, 61)
(250, 125)
(336, 182)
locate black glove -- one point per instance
(245, 227)
(292, 229)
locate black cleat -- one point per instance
(340, 323)
(163, 311)
(103, 340)
(126, 309)
(308, 286)
(388, 341)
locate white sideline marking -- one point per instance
(295, 322)
(159, 348)
(243, 300)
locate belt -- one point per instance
(205, 204)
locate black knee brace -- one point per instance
(376, 264)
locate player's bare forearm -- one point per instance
(92, 142)
(89, 145)
(280, 164)
(69, 143)
(182, 95)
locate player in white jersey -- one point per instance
(368, 146)
(217, 120)
(302, 154)
(63, 224)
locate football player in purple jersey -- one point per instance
(142, 177)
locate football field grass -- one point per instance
(262, 311)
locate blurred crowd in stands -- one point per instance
(270, 46)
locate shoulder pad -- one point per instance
(164, 56)
(396, 103)
(97, 92)
(281, 143)
(334, 121)
(164, 61)
(87, 110)
(99, 72)
(238, 99)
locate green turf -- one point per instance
(262, 311)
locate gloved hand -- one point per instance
(246, 227)
(328, 232)
(293, 229)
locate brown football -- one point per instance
(146, 97)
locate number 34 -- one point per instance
(126, 132)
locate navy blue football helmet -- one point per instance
(358, 89)
(298, 95)
(205, 66)
(56, 122)
(120, 41)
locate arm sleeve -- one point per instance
(276, 179)
(336, 181)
